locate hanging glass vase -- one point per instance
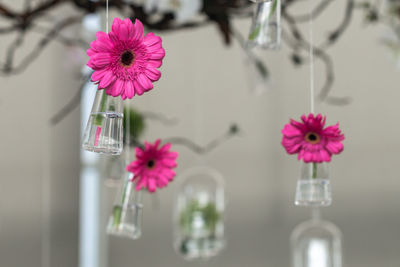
(199, 214)
(265, 31)
(316, 243)
(313, 186)
(126, 217)
(103, 132)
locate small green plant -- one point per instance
(208, 213)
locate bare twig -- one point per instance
(72, 104)
(213, 144)
(9, 68)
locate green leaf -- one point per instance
(117, 212)
(208, 212)
(136, 122)
(274, 6)
(253, 35)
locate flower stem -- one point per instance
(314, 174)
(272, 11)
(99, 117)
(117, 210)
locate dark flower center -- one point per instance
(127, 58)
(312, 138)
(150, 164)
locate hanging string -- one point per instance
(199, 120)
(315, 213)
(107, 15)
(312, 88)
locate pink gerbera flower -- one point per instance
(153, 166)
(124, 62)
(311, 140)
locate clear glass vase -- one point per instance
(316, 243)
(104, 130)
(199, 214)
(126, 217)
(265, 31)
(313, 186)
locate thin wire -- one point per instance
(312, 87)
(315, 214)
(107, 15)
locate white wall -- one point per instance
(39, 164)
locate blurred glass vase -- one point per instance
(199, 212)
(126, 217)
(313, 186)
(265, 31)
(104, 133)
(316, 243)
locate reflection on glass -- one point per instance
(199, 211)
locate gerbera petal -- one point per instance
(101, 46)
(116, 26)
(142, 182)
(100, 60)
(124, 31)
(138, 88)
(334, 147)
(165, 147)
(170, 174)
(151, 185)
(128, 23)
(108, 78)
(98, 75)
(153, 74)
(139, 152)
(90, 52)
(154, 63)
(138, 29)
(144, 82)
(157, 143)
(129, 89)
(160, 54)
(118, 87)
(113, 37)
(290, 131)
(150, 39)
(324, 155)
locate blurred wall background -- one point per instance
(204, 85)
